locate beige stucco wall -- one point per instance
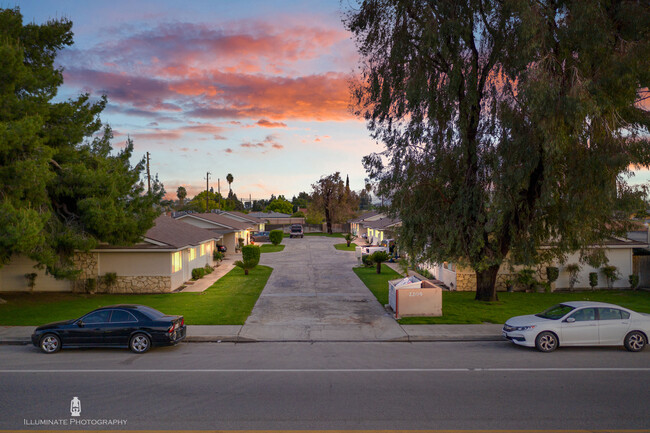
(135, 263)
(621, 258)
(12, 277)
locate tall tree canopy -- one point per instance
(509, 125)
(61, 187)
(331, 197)
(281, 205)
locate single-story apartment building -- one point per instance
(619, 252)
(160, 263)
(380, 229)
(229, 228)
(258, 223)
(357, 224)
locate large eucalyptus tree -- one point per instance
(509, 126)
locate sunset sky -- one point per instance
(258, 89)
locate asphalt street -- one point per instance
(199, 386)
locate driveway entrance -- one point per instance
(313, 294)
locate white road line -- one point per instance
(334, 370)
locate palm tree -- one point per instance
(229, 178)
(181, 193)
(378, 257)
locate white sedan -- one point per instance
(580, 323)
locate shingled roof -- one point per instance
(178, 234)
(225, 222)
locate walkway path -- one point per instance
(204, 283)
(313, 294)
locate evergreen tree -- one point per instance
(61, 190)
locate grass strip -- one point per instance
(229, 301)
(345, 247)
(270, 248)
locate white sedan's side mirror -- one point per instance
(570, 320)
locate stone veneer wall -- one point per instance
(88, 263)
(466, 281)
(139, 284)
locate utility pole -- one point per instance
(148, 175)
(207, 192)
(219, 186)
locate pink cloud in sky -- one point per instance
(230, 71)
(267, 124)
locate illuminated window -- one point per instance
(177, 262)
(192, 254)
(202, 250)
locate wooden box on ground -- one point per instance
(411, 297)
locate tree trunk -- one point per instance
(348, 243)
(486, 284)
(245, 271)
(379, 268)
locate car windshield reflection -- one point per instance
(555, 312)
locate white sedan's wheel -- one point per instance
(546, 342)
(140, 343)
(635, 341)
(50, 343)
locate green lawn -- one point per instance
(270, 248)
(229, 301)
(333, 235)
(461, 308)
(345, 247)
(377, 283)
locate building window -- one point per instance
(202, 250)
(192, 254)
(177, 262)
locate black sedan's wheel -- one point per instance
(635, 341)
(50, 343)
(139, 343)
(546, 342)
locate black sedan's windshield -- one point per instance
(555, 312)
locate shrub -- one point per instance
(526, 279)
(91, 285)
(378, 257)
(217, 256)
(367, 262)
(109, 279)
(250, 257)
(611, 275)
(593, 279)
(208, 269)
(298, 215)
(348, 238)
(552, 273)
(634, 281)
(31, 280)
(198, 273)
(276, 237)
(573, 269)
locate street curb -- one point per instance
(237, 339)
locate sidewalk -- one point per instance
(204, 283)
(227, 333)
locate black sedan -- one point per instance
(137, 327)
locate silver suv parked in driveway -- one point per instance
(296, 231)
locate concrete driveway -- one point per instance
(313, 294)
